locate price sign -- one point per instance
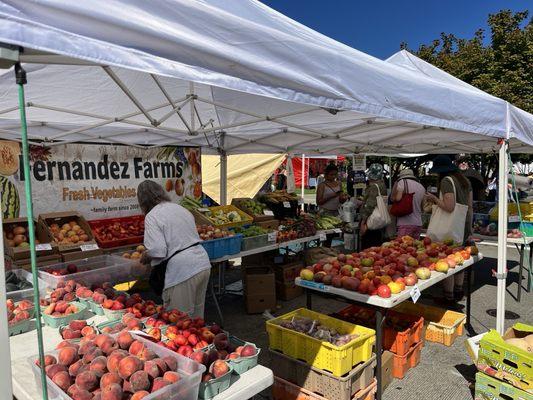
(314, 285)
(43, 247)
(337, 230)
(202, 209)
(415, 293)
(89, 247)
(514, 218)
(268, 212)
(272, 236)
(286, 204)
(322, 236)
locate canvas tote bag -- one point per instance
(380, 217)
(444, 225)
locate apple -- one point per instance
(306, 274)
(441, 266)
(423, 273)
(394, 287)
(384, 291)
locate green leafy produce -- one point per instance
(327, 222)
(252, 230)
(253, 207)
(190, 203)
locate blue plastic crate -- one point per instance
(525, 227)
(221, 247)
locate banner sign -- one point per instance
(99, 181)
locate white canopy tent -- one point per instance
(233, 77)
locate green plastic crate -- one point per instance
(243, 364)
(213, 387)
(114, 315)
(21, 327)
(488, 388)
(56, 322)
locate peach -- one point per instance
(88, 330)
(147, 354)
(124, 340)
(248, 351)
(62, 379)
(67, 356)
(96, 352)
(139, 381)
(171, 362)
(75, 368)
(109, 378)
(99, 366)
(66, 343)
(161, 364)
(136, 348)
(53, 369)
(139, 395)
(112, 392)
(80, 394)
(87, 380)
(126, 387)
(77, 324)
(152, 369)
(114, 358)
(99, 340)
(128, 365)
(86, 347)
(159, 383)
(171, 376)
(48, 360)
(68, 333)
(219, 368)
(109, 346)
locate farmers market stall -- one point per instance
(185, 85)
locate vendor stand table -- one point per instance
(521, 245)
(24, 346)
(381, 305)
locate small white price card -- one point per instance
(89, 247)
(286, 204)
(514, 218)
(202, 209)
(337, 230)
(268, 212)
(415, 293)
(43, 247)
(272, 236)
(322, 236)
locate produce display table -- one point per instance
(381, 305)
(520, 244)
(24, 346)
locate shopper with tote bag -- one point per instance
(451, 217)
(374, 213)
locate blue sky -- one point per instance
(378, 27)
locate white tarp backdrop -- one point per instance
(260, 77)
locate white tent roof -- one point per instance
(263, 79)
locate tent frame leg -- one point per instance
(501, 276)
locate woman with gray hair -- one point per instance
(180, 265)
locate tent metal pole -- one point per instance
(501, 275)
(303, 176)
(5, 353)
(176, 108)
(223, 171)
(191, 90)
(20, 75)
(128, 93)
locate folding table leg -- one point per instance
(520, 268)
(215, 300)
(469, 300)
(530, 265)
(379, 349)
(309, 299)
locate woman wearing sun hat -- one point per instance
(410, 224)
(376, 187)
(454, 189)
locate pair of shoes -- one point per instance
(459, 295)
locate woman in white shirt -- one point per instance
(171, 238)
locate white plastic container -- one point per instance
(185, 389)
(94, 270)
(18, 295)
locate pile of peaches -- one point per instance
(390, 268)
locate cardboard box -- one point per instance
(41, 234)
(286, 273)
(287, 291)
(79, 255)
(268, 224)
(510, 364)
(259, 289)
(64, 217)
(386, 369)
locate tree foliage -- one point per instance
(499, 62)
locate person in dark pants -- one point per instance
(369, 237)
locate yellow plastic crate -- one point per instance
(443, 326)
(338, 360)
(526, 208)
(200, 218)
